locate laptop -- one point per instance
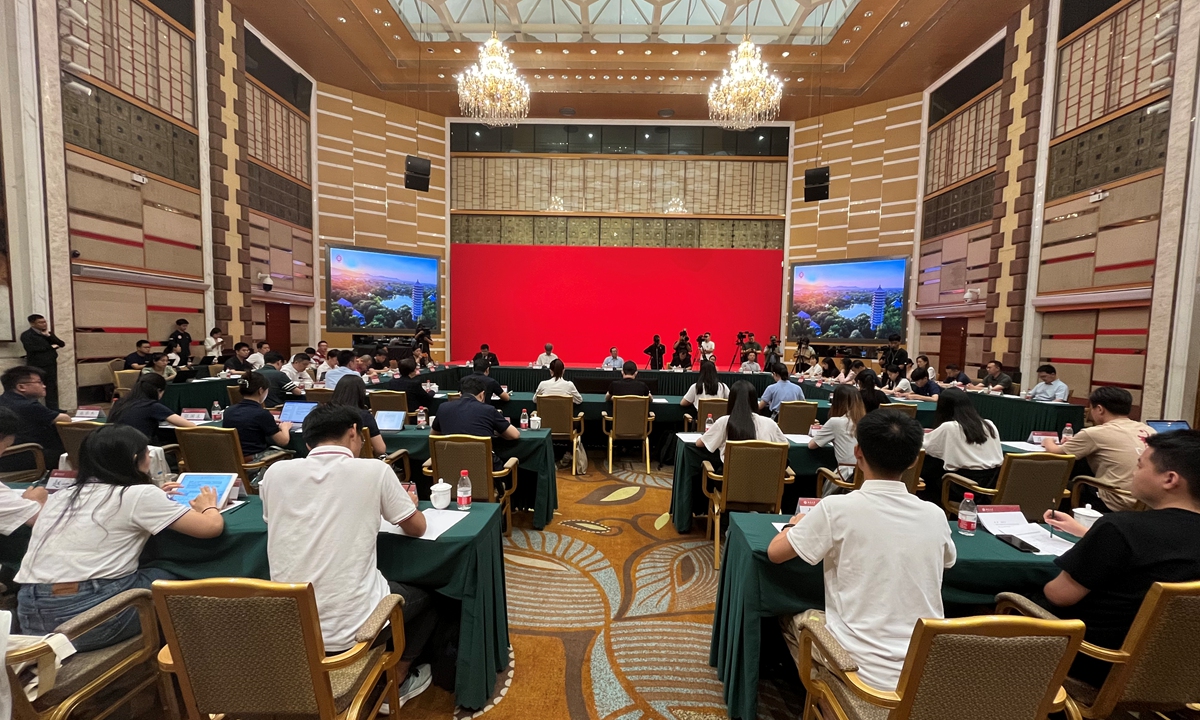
(391, 419)
(208, 360)
(184, 375)
(1162, 426)
(295, 412)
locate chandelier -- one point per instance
(745, 96)
(491, 91)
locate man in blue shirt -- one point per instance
(613, 361)
(347, 364)
(470, 414)
(922, 385)
(781, 391)
(1049, 387)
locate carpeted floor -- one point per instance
(610, 612)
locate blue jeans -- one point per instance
(40, 611)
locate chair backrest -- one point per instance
(72, 435)
(245, 647)
(1014, 667)
(630, 416)
(717, 407)
(556, 413)
(911, 476)
(386, 400)
(797, 416)
(1035, 481)
(125, 379)
(366, 451)
(754, 473)
(235, 394)
(115, 366)
(212, 449)
(451, 454)
(318, 395)
(908, 409)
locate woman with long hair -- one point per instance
(868, 383)
(86, 542)
(159, 364)
(742, 423)
(257, 429)
(142, 408)
(707, 385)
(845, 410)
(896, 382)
(966, 443)
(556, 385)
(351, 391)
(825, 370)
(850, 370)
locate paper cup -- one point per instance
(439, 495)
(1086, 516)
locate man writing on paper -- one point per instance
(322, 514)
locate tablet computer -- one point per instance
(391, 419)
(295, 412)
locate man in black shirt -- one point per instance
(656, 350)
(23, 386)
(1107, 574)
(140, 358)
(237, 362)
(41, 352)
(182, 337)
(893, 354)
(408, 383)
(485, 353)
(995, 376)
(483, 374)
(471, 415)
(751, 345)
(628, 384)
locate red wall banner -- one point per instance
(516, 298)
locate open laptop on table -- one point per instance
(1163, 426)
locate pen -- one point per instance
(1053, 513)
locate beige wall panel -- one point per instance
(259, 238)
(299, 337)
(931, 344)
(1077, 376)
(93, 373)
(1134, 342)
(974, 352)
(1068, 275)
(1055, 212)
(281, 236)
(178, 299)
(1082, 322)
(862, 250)
(105, 344)
(975, 325)
(1075, 227)
(281, 262)
(335, 178)
(1125, 276)
(262, 222)
(83, 162)
(302, 285)
(1128, 369)
(335, 206)
(298, 314)
(1077, 247)
(979, 253)
(106, 199)
(1127, 244)
(1123, 318)
(900, 167)
(954, 248)
(1129, 202)
(927, 293)
(172, 258)
(101, 305)
(333, 126)
(954, 277)
(365, 222)
(899, 190)
(260, 254)
(1052, 347)
(170, 196)
(302, 250)
(932, 260)
(103, 251)
(172, 226)
(160, 324)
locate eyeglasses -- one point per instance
(33, 381)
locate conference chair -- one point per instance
(449, 455)
(208, 449)
(72, 435)
(556, 412)
(631, 420)
(124, 380)
(388, 400)
(318, 395)
(1155, 669)
(235, 394)
(953, 669)
(114, 366)
(1079, 482)
(751, 481)
(908, 409)
(1035, 481)
(391, 458)
(717, 407)
(242, 647)
(796, 417)
(911, 477)
(35, 473)
(88, 677)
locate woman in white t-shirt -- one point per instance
(845, 410)
(708, 385)
(87, 539)
(214, 343)
(965, 443)
(895, 381)
(742, 423)
(556, 385)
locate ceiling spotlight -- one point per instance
(605, 77)
(429, 50)
(846, 41)
(647, 52)
(476, 133)
(676, 77)
(550, 76)
(341, 19)
(785, 53)
(566, 51)
(647, 77)
(578, 77)
(904, 24)
(674, 52)
(868, 13)
(441, 75)
(593, 51)
(395, 37)
(647, 137)
(857, 28)
(787, 79)
(589, 136)
(661, 78)
(386, 23)
(591, 77)
(689, 77)
(703, 52)
(619, 77)
(378, 11)
(538, 51)
(812, 54)
(537, 77)
(703, 77)
(666, 113)
(799, 79)
(620, 52)
(457, 51)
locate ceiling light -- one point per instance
(589, 136)
(378, 11)
(620, 52)
(785, 53)
(674, 52)
(457, 51)
(341, 19)
(620, 77)
(441, 75)
(647, 52)
(868, 13)
(538, 51)
(591, 77)
(566, 51)
(857, 28)
(703, 52)
(605, 77)
(593, 51)
(666, 113)
(537, 77)
(647, 137)
(395, 37)
(647, 77)
(846, 41)
(904, 24)
(567, 112)
(550, 76)
(745, 96)
(491, 91)
(429, 50)
(703, 77)
(578, 77)
(476, 133)
(676, 77)
(689, 77)
(386, 23)
(812, 54)
(787, 79)
(661, 78)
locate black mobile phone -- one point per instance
(1017, 542)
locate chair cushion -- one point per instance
(855, 707)
(1080, 691)
(82, 668)
(347, 681)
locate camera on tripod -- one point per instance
(741, 338)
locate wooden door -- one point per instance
(954, 344)
(279, 328)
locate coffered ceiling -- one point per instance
(631, 58)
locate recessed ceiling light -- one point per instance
(647, 77)
(589, 136)
(674, 52)
(537, 77)
(787, 79)
(620, 77)
(378, 11)
(703, 52)
(395, 37)
(620, 52)
(648, 52)
(666, 113)
(785, 53)
(904, 24)
(550, 76)
(857, 28)
(476, 133)
(689, 77)
(429, 50)
(566, 51)
(578, 77)
(647, 137)
(591, 77)
(593, 51)
(538, 51)
(675, 77)
(703, 77)
(661, 78)
(386, 23)
(605, 77)
(812, 54)
(441, 75)
(799, 79)
(341, 19)
(846, 41)
(457, 51)
(868, 13)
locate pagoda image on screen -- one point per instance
(381, 291)
(848, 300)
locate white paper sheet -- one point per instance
(1014, 523)
(688, 437)
(1027, 447)
(436, 523)
(799, 439)
(659, 401)
(778, 526)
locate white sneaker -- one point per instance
(417, 682)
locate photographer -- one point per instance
(772, 355)
(748, 344)
(707, 346)
(682, 355)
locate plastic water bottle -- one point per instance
(524, 419)
(216, 412)
(708, 423)
(464, 491)
(421, 417)
(1067, 433)
(967, 516)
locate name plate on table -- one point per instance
(194, 414)
(799, 439)
(689, 438)
(1037, 436)
(60, 480)
(87, 412)
(803, 507)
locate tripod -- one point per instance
(737, 355)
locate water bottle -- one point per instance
(216, 412)
(967, 516)
(1067, 433)
(464, 491)
(708, 423)
(524, 419)
(421, 417)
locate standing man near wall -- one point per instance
(41, 351)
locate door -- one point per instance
(954, 343)
(279, 328)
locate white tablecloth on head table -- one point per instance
(159, 469)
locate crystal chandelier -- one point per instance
(745, 96)
(491, 91)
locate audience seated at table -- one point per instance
(352, 392)
(421, 356)
(141, 408)
(780, 391)
(742, 423)
(1106, 575)
(1112, 446)
(966, 443)
(845, 410)
(260, 434)
(282, 387)
(159, 364)
(347, 364)
(259, 358)
(214, 344)
(655, 351)
(23, 387)
(175, 355)
(322, 514)
(297, 370)
(471, 414)
(954, 374)
(895, 382)
(557, 385)
(825, 370)
(184, 338)
(408, 382)
(995, 377)
(923, 364)
(546, 357)
(328, 363)
(884, 551)
(868, 387)
(613, 361)
(380, 360)
(16, 510)
(628, 384)
(86, 542)
(922, 386)
(707, 385)
(850, 369)
(485, 353)
(483, 373)
(1049, 388)
(237, 363)
(750, 364)
(805, 357)
(139, 358)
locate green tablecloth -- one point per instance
(687, 498)
(526, 379)
(197, 394)
(593, 404)
(925, 408)
(752, 588)
(533, 450)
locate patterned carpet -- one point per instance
(610, 611)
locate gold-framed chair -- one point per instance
(318, 395)
(911, 477)
(235, 394)
(239, 646)
(39, 463)
(86, 674)
(631, 420)
(72, 435)
(114, 366)
(1035, 481)
(449, 455)
(219, 450)
(123, 380)
(401, 455)
(797, 416)
(908, 409)
(717, 407)
(934, 678)
(558, 416)
(1154, 670)
(752, 480)
(1079, 482)
(388, 400)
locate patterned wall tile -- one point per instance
(276, 195)
(1128, 145)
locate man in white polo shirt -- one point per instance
(884, 551)
(322, 514)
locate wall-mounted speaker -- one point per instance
(816, 184)
(416, 173)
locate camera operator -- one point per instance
(773, 355)
(707, 347)
(682, 355)
(748, 344)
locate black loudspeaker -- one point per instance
(416, 173)
(816, 184)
